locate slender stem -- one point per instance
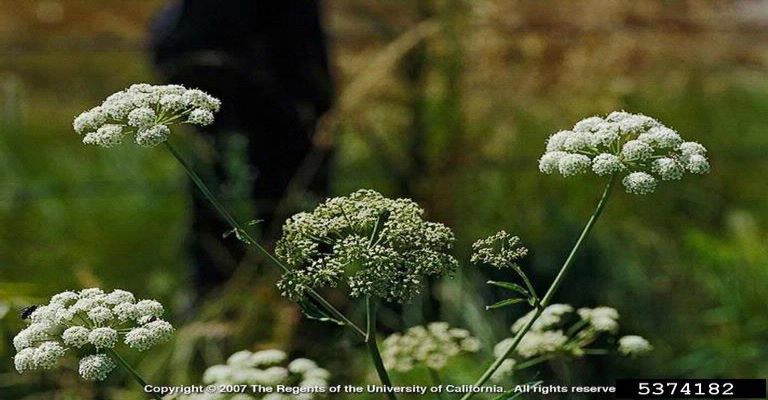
(244, 236)
(527, 283)
(552, 288)
(133, 372)
(435, 376)
(533, 361)
(373, 349)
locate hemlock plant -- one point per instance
(370, 246)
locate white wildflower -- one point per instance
(634, 345)
(639, 183)
(606, 164)
(75, 336)
(433, 346)
(624, 142)
(573, 164)
(602, 319)
(88, 320)
(268, 357)
(147, 111)
(96, 367)
(389, 241)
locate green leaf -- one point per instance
(511, 286)
(312, 311)
(505, 303)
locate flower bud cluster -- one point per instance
(635, 144)
(267, 368)
(92, 321)
(375, 245)
(145, 111)
(432, 346)
(561, 332)
(500, 250)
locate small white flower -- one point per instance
(149, 308)
(538, 343)
(606, 164)
(692, 148)
(639, 183)
(24, 360)
(118, 296)
(634, 345)
(153, 135)
(549, 162)
(556, 142)
(75, 336)
(96, 367)
(550, 316)
(573, 164)
(143, 117)
(667, 168)
(125, 312)
(100, 315)
(602, 319)
(697, 164)
(103, 338)
(588, 125)
(268, 357)
(200, 117)
(140, 339)
(160, 330)
(578, 141)
(47, 355)
(301, 365)
(636, 150)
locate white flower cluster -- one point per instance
(92, 321)
(624, 142)
(431, 346)
(146, 111)
(558, 332)
(500, 250)
(633, 345)
(264, 368)
(377, 246)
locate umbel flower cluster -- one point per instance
(500, 250)
(431, 346)
(146, 111)
(267, 368)
(88, 322)
(561, 331)
(376, 245)
(623, 143)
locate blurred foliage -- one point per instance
(448, 102)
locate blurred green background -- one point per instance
(448, 102)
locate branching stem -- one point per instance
(550, 292)
(245, 237)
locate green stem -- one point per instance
(527, 283)
(373, 349)
(133, 372)
(551, 291)
(244, 236)
(533, 361)
(435, 376)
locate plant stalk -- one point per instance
(435, 376)
(133, 372)
(373, 349)
(552, 289)
(244, 236)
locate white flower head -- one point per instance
(393, 247)
(432, 345)
(96, 367)
(633, 345)
(268, 368)
(602, 319)
(623, 142)
(146, 111)
(90, 321)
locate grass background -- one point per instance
(448, 102)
